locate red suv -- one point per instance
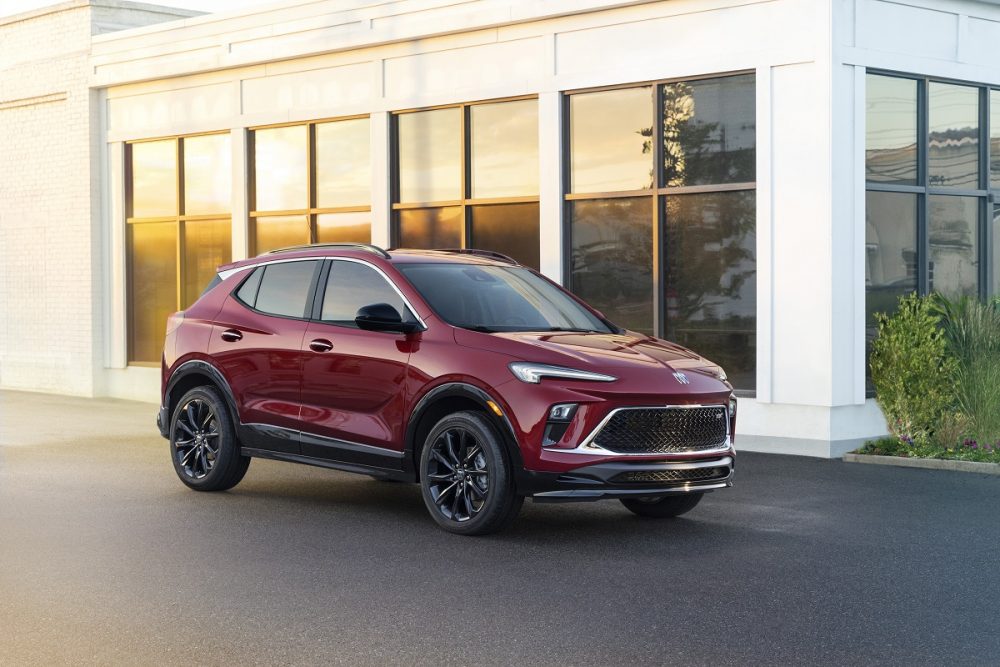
(459, 369)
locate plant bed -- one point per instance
(969, 456)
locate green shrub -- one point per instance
(972, 333)
(911, 369)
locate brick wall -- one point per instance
(50, 239)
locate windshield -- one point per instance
(498, 298)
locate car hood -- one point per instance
(625, 355)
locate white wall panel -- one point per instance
(800, 155)
(159, 113)
(511, 63)
(326, 88)
(888, 26)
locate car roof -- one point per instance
(370, 252)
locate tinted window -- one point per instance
(351, 286)
(498, 298)
(284, 288)
(247, 293)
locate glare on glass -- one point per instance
(154, 179)
(612, 258)
(711, 279)
(510, 229)
(343, 163)
(953, 144)
(430, 228)
(344, 227)
(152, 287)
(207, 245)
(611, 140)
(280, 169)
(430, 155)
(954, 248)
(280, 231)
(208, 174)
(891, 130)
(504, 149)
(709, 131)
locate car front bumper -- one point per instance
(624, 479)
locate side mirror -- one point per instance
(382, 317)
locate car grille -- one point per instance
(667, 430)
(673, 476)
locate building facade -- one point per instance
(750, 179)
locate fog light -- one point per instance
(562, 412)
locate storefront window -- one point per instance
(891, 130)
(467, 176)
(312, 184)
(178, 231)
(696, 219)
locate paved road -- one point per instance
(105, 558)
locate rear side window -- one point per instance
(247, 293)
(284, 288)
(351, 286)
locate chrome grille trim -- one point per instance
(588, 447)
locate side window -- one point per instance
(247, 293)
(284, 288)
(351, 286)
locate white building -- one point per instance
(749, 178)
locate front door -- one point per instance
(353, 387)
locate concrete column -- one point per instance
(550, 151)
(381, 195)
(241, 193)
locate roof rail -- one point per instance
(359, 246)
(482, 253)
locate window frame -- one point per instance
(311, 212)
(986, 194)
(178, 219)
(466, 202)
(658, 193)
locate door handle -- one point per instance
(231, 335)
(321, 345)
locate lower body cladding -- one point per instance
(628, 479)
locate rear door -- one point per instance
(258, 343)
(354, 381)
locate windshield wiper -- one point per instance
(572, 330)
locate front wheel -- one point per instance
(465, 478)
(665, 507)
(203, 445)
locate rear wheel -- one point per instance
(665, 507)
(203, 445)
(465, 478)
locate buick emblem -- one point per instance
(680, 377)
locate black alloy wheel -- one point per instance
(465, 478)
(203, 445)
(458, 474)
(197, 444)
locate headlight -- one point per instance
(732, 407)
(533, 373)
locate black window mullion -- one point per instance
(659, 219)
(923, 246)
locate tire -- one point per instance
(663, 508)
(465, 476)
(200, 420)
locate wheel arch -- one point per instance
(447, 399)
(187, 376)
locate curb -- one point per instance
(929, 464)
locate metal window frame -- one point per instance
(658, 193)
(985, 192)
(466, 202)
(179, 219)
(311, 211)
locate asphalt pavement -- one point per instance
(106, 558)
